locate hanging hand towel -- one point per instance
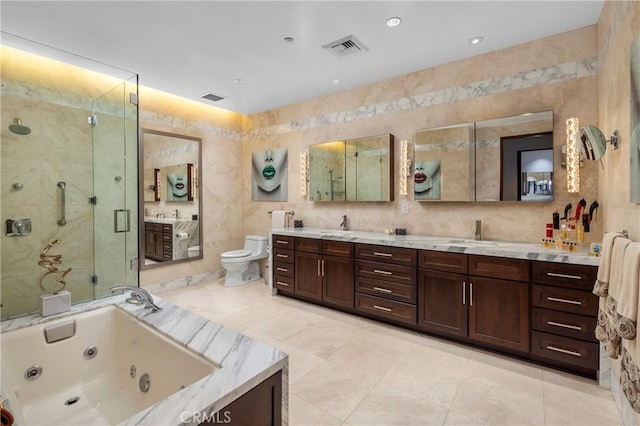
(601, 286)
(279, 219)
(608, 318)
(628, 299)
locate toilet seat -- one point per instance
(235, 254)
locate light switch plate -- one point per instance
(405, 207)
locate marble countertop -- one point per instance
(515, 250)
(167, 220)
(245, 362)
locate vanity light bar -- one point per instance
(404, 167)
(573, 156)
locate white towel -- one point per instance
(608, 316)
(601, 286)
(279, 219)
(628, 298)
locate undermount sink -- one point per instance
(334, 232)
(473, 242)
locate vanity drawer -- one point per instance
(337, 248)
(385, 308)
(394, 255)
(150, 226)
(564, 350)
(443, 261)
(282, 241)
(284, 269)
(564, 299)
(283, 255)
(167, 237)
(311, 245)
(565, 324)
(389, 290)
(168, 228)
(284, 283)
(499, 267)
(386, 271)
(564, 275)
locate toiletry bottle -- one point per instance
(549, 230)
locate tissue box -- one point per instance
(55, 303)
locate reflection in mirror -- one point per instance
(443, 163)
(352, 170)
(514, 158)
(172, 202)
(592, 143)
(369, 168)
(326, 172)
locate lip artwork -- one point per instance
(419, 177)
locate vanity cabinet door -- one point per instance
(308, 278)
(442, 302)
(499, 313)
(338, 284)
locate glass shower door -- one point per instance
(115, 163)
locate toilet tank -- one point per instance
(255, 243)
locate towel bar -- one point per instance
(291, 213)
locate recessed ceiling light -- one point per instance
(336, 81)
(476, 40)
(393, 22)
(238, 81)
(288, 39)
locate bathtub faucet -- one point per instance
(139, 296)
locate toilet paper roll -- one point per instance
(182, 235)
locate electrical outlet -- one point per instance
(405, 207)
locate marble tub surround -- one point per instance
(245, 362)
(514, 250)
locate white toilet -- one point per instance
(243, 266)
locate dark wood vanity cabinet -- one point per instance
(468, 303)
(324, 271)
(283, 263)
(158, 239)
(386, 282)
(564, 316)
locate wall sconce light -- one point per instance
(156, 187)
(405, 165)
(573, 156)
(304, 173)
(191, 179)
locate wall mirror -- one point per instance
(172, 201)
(443, 164)
(352, 170)
(514, 158)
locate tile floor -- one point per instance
(347, 370)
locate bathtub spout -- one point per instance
(139, 296)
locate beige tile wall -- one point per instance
(504, 90)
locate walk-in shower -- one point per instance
(70, 177)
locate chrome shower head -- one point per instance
(18, 128)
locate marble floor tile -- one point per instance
(354, 371)
(332, 388)
(495, 404)
(367, 358)
(303, 413)
(385, 405)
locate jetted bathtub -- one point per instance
(110, 369)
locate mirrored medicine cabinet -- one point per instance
(171, 208)
(504, 159)
(352, 170)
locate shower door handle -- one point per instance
(121, 222)
(62, 221)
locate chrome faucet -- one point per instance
(176, 214)
(478, 232)
(139, 296)
(343, 224)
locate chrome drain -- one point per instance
(72, 401)
(90, 352)
(145, 383)
(33, 372)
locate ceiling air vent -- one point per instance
(346, 47)
(212, 97)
